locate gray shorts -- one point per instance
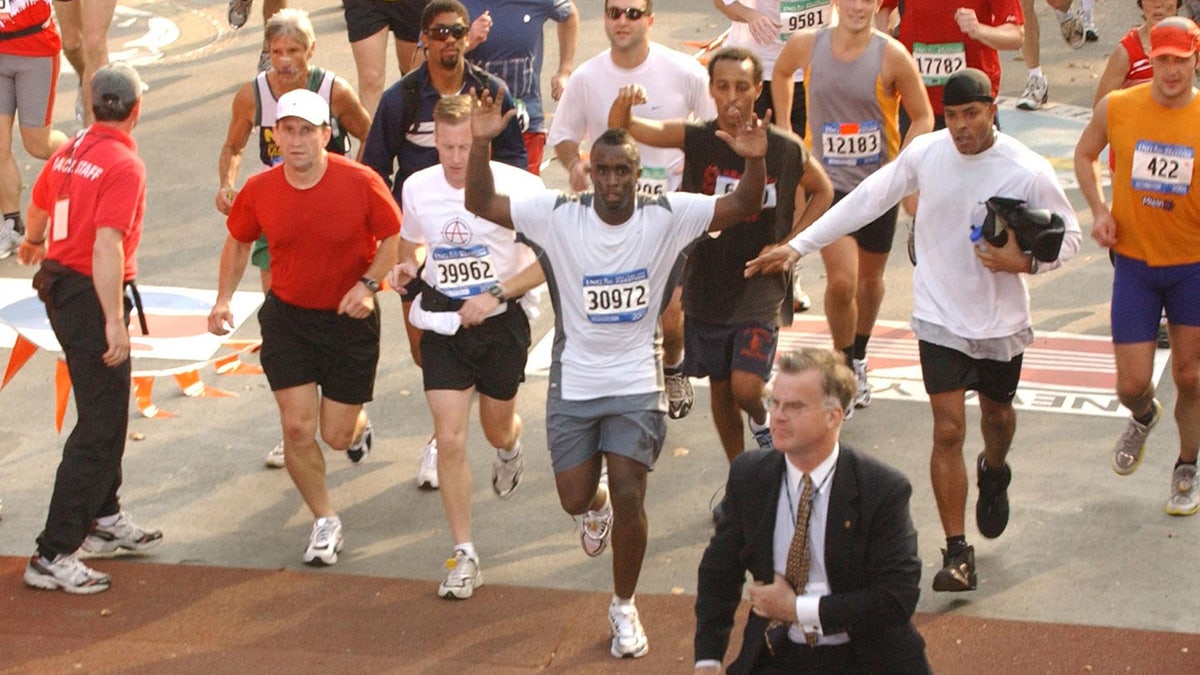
(631, 426)
(27, 86)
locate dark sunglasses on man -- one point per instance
(631, 13)
(443, 32)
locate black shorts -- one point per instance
(335, 351)
(365, 18)
(799, 106)
(715, 351)
(491, 356)
(877, 235)
(945, 369)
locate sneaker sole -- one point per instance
(956, 588)
(428, 486)
(632, 655)
(321, 560)
(1181, 512)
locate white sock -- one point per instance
(507, 455)
(107, 521)
(755, 426)
(469, 549)
(621, 602)
(1035, 72)
(673, 366)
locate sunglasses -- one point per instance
(631, 13)
(443, 32)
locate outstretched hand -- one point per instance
(773, 261)
(486, 120)
(750, 138)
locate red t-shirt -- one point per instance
(104, 181)
(22, 14)
(321, 240)
(931, 23)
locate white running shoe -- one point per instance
(800, 300)
(325, 542)
(427, 477)
(1185, 497)
(1070, 24)
(595, 527)
(862, 396)
(66, 572)
(680, 395)
(1132, 445)
(628, 637)
(275, 458)
(1037, 92)
(11, 236)
(462, 577)
(123, 533)
(506, 473)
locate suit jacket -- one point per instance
(870, 558)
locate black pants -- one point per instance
(89, 474)
(792, 659)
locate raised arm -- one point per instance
(481, 197)
(1004, 37)
(750, 143)
(660, 134)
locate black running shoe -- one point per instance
(958, 571)
(991, 507)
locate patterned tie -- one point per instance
(798, 553)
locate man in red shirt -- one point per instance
(333, 231)
(101, 183)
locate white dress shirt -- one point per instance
(808, 599)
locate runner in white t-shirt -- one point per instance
(679, 87)
(607, 256)
(476, 337)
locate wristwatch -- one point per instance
(371, 284)
(496, 292)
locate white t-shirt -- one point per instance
(465, 254)
(791, 15)
(676, 86)
(609, 285)
(951, 288)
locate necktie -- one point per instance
(798, 553)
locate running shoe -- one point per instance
(239, 11)
(427, 477)
(1037, 92)
(1132, 445)
(122, 534)
(325, 542)
(66, 572)
(12, 232)
(1070, 24)
(628, 637)
(862, 395)
(595, 528)
(991, 505)
(506, 473)
(800, 300)
(359, 450)
(1185, 498)
(1090, 34)
(680, 395)
(958, 571)
(462, 577)
(275, 458)
(763, 437)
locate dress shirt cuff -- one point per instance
(808, 613)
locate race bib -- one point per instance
(852, 144)
(727, 184)
(616, 298)
(463, 272)
(1161, 167)
(653, 181)
(797, 15)
(938, 62)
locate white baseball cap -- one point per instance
(305, 104)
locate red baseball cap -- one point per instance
(1176, 36)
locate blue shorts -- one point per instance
(1141, 293)
(715, 351)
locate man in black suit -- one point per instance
(853, 597)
